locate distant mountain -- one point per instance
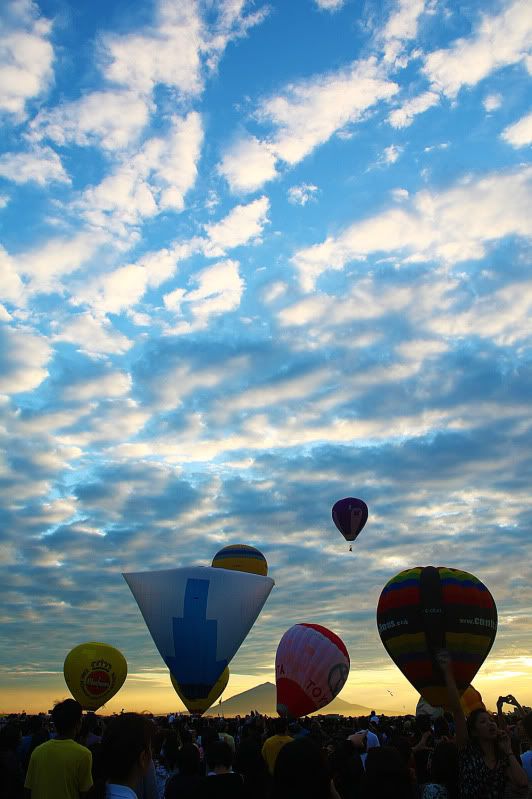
(263, 699)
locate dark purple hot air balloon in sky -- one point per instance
(350, 515)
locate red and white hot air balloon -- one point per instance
(311, 667)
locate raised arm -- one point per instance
(511, 700)
(501, 721)
(453, 698)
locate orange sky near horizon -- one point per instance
(383, 689)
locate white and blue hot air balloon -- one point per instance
(198, 617)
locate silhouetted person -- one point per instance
(61, 768)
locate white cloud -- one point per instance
(113, 291)
(492, 102)
(168, 53)
(305, 115)
(302, 194)
(109, 119)
(498, 41)
(41, 165)
(503, 316)
(420, 349)
(4, 201)
(123, 288)
(330, 5)
(402, 26)
(47, 264)
(24, 356)
(259, 433)
(274, 291)
(230, 24)
(308, 113)
(11, 286)
(111, 419)
(162, 264)
(444, 145)
(169, 387)
(244, 223)
(219, 290)
(400, 195)
(112, 384)
(452, 226)
(403, 116)
(391, 154)
(93, 335)
(247, 164)
(520, 133)
(26, 56)
(364, 301)
(156, 178)
(300, 388)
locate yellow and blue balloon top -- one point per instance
(200, 704)
(241, 558)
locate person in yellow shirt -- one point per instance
(273, 745)
(61, 768)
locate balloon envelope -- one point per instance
(311, 667)
(426, 609)
(350, 515)
(470, 700)
(242, 558)
(198, 618)
(94, 673)
(202, 703)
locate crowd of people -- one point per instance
(68, 755)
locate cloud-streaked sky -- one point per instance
(258, 256)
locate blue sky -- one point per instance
(257, 257)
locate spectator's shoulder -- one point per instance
(83, 751)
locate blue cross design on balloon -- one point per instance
(194, 664)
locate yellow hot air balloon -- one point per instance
(471, 700)
(94, 673)
(202, 703)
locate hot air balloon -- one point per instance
(424, 709)
(198, 618)
(242, 558)
(94, 673)
(350, 515)
(202, 703)
(311, 667)
(470, 700)
(426, 609)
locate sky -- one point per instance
(256, 257)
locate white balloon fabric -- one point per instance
(198, 617)
(311, 667)
(424, 709)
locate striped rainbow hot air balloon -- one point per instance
(426, 609)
